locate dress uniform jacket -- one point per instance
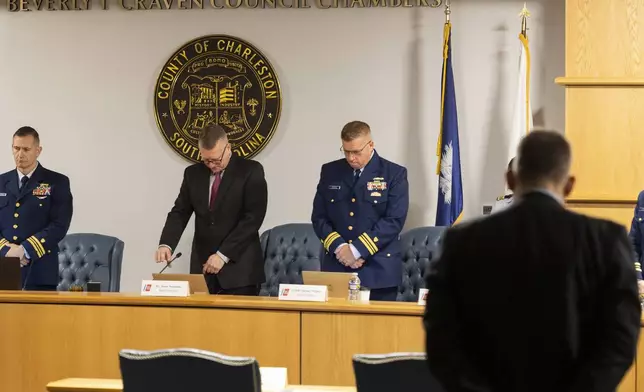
(370, 215)
(534, 298)
(36, 216)
(636, 234)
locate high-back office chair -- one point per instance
(185, 369)
(420, 246)
(87, 256)
(393, 372)
(288, 250)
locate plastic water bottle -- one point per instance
(354, 287)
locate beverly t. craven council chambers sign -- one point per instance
(139, 5)
(223, 80)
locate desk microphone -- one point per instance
(170, 262)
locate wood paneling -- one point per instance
(604, 38)
(330, 340)
(604, 127)
(46, 342)
(617, 212)
(51, 336)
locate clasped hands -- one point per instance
(19, 252)
(346, 257)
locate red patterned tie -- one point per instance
(214, 189)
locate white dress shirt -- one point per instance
(28, 175)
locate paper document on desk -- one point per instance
(274, 379)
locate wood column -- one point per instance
(604, 85)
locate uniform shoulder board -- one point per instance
(500, 198)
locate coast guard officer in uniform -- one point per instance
(507, 199)
(359, 210)
(636, 235)
(35, 213)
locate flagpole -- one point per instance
(525, 14)
(524, 20)
(446, 34)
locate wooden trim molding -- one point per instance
(599, 82)
(622, 202)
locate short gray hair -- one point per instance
(210, 135)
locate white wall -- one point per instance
(85, 80)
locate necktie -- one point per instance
(214, 189)
(356, 176)
(23, 181)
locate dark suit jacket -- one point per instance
(533, 298)
(231, 228)
(37, 217)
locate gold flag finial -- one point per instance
(448, 10)
(524, 14)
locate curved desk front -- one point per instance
(52, 336)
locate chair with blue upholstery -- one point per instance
(420, 246)
(288, 250)
(87, 256)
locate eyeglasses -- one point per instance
(356, 152)
(218, 160)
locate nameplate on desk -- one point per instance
(303, 292)
(165, 288)
(274, 379)
(422, 296)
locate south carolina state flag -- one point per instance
(450, 185)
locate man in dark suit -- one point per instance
(359, 210)
(534, 297)
(36, 208)
(229, 197)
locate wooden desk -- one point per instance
(116, 385)
(52, 336)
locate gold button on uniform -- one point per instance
(17, 204)
(388, 254)
(15, 226)
(16, 215)
(350, 241)
(351, 214)
(42, 240)
(15, 238)
(332, 200)
(353, 200)
(350, 227)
